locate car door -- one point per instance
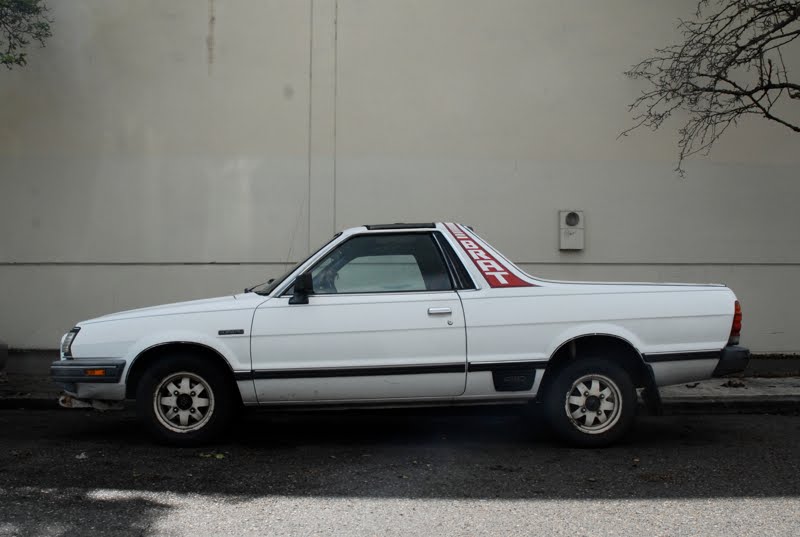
(383, 322)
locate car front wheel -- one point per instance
(184, 401)
(591, 402)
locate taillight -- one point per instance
(736, 326)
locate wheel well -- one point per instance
(618, 349)
(149, 356)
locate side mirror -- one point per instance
(303, 286)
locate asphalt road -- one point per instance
(464, 472)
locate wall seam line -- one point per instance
(335, 100)
(310, 110)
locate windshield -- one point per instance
(269, 286)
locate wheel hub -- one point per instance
(184, 401)
(592, 403)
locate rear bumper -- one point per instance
(733, 359)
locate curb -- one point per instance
(673, 406)
(3, 356)
(734, 405)
(28, 403)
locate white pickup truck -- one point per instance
(406, 314)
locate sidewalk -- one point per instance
(769, 385)
(721, 395)
(27, 379)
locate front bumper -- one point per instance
(80, 371)
(733, 359)
(74, 376)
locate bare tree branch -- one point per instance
(730, 65)
(20, 22)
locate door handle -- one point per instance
(439, 311)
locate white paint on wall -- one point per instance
(146, 136)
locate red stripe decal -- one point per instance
(493, 270)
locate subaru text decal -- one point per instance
(494, 271)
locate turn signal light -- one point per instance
(94, 372)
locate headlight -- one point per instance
(66, 343)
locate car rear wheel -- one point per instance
(591, 402)
(185, 400)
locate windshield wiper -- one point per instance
(250, 289)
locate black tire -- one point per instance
(204, 423)
(595, 425)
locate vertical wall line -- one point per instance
(212, 19)
(335, 102)
(310, 109)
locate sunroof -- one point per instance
(400, 226)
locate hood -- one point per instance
(223, 303)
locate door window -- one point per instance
(382, 264)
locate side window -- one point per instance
(385, 263)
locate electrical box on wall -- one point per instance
(571, 229)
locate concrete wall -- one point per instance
(160, 151)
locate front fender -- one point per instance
(234, 349)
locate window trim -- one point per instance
(452, 262)
(434, 239)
